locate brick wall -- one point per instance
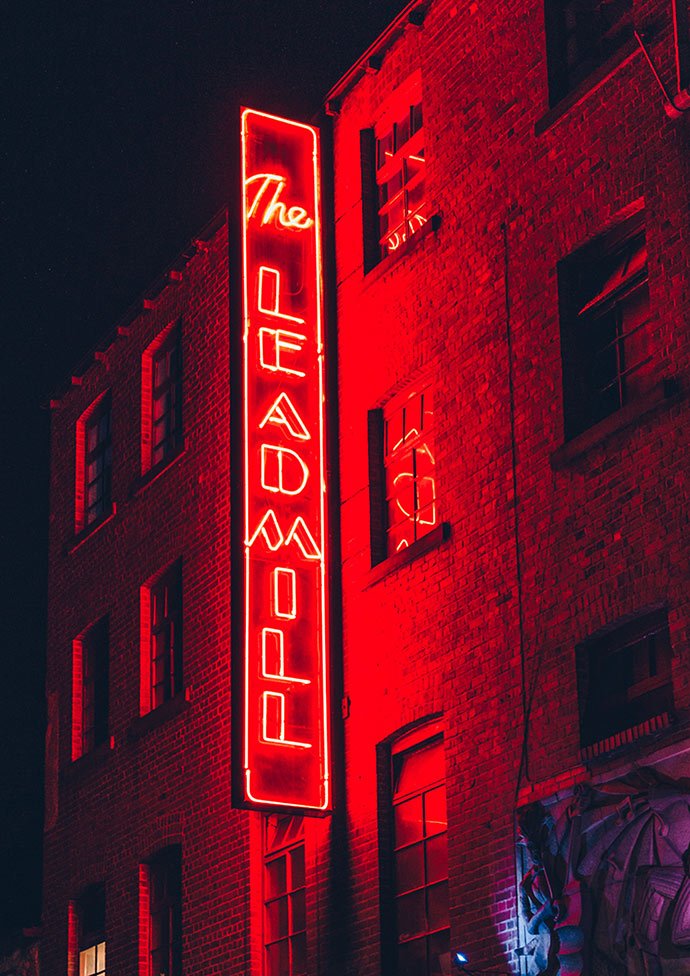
(544, 548)
(599, 537)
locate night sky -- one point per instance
(118, 122)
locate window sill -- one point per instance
(605, 748)
(81, 537)
(154, 473)
(87, 763)
(587, 86)
(385, 264)
(430, 541)
(170, 709)
(667, 393)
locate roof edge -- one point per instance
(413, 13)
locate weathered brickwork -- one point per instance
(600, 537)
(167, 782)
(545, 547)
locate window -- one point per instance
(420, 855)
(162, 906)
(161, 650)
(90, 689)
(606, 336)
(402, 471)
(393, 170)
(624, 677)
(91, 932)
(581, 35)
(162, 398)
(94, 463)
(285, 923)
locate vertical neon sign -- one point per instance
(286, 694)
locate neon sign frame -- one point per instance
(286, 694)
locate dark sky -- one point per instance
(117, 121)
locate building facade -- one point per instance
(508, 303)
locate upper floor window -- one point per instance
(402, 447)
(285, 921)
(581, 35)
(607, 343)
(161, 638)
(161, 419)
(624, 678)
(393, 172)
(162, 909)
(91, 932)
(420, 853)
(90, 689)
(94, 464)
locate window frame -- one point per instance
(595, 323)
(91, 903)
(392, 755)
(292, 843)
(164, 869)
(166, 345)
(403, 108)
(382, 463)
(165, 587)
(91, 418)
(595, 50)
(92, 647)
(604, 660)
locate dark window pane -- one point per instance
(438, 906)
(411, 912)
(278, 959)
(437, 858)
(408, 821)
(276, 919)
(412, 958)
(439, 954)
(409, 868)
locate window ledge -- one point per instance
(587, 86)
(85, 765)
(144, 724)
(665, 393)
(385, 264)
(430, 541)
(81, 537)
(605, 747)
(159, 469)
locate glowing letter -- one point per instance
(278, 340)
(274, 537)
(273, 657)
(275, 210)
(273, 723)
(284, 593)
(283, 412)
(273, 470)
(269, 294)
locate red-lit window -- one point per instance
(420, 853)
(408, 454)
(91, 932)
(400, 169)
(90, 689)
(94, 464)
(162, 398)
(161, 642)
(607, 339)
(161, 894)
(285, 936)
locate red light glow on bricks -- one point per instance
(286, 695)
